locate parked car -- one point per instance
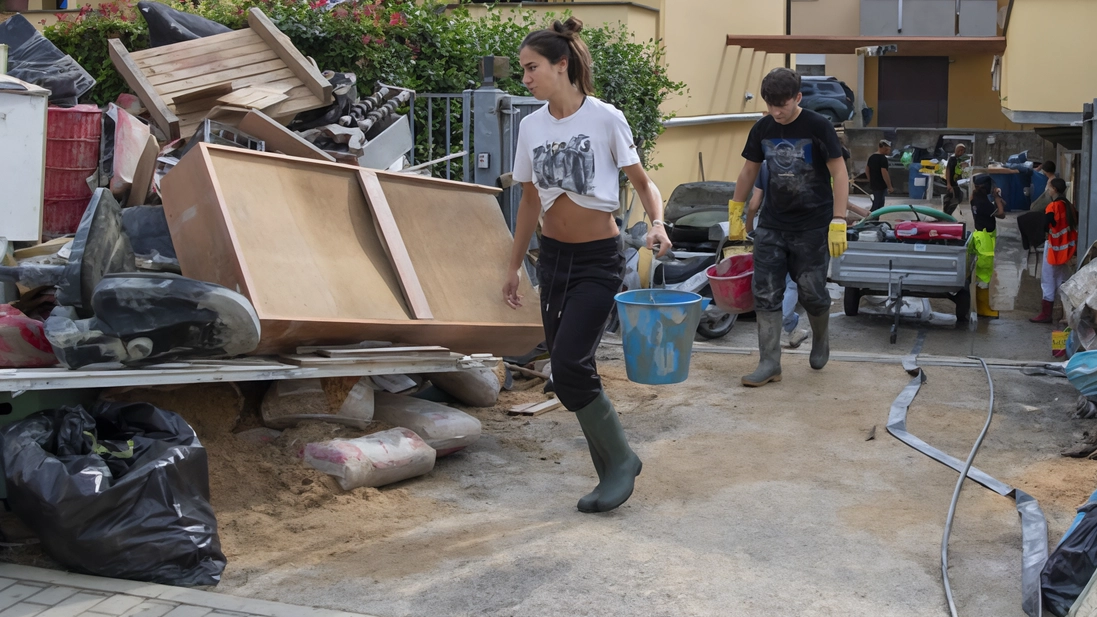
(828, 96)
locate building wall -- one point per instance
(972, 103)
(1051, 56)
(834, 18)
(718, 78)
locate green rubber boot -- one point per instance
(769, 350)
(607, 442)
(820, 340)
(589, 502)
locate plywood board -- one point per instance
(460, 249)
(279, 138)
(178, 83)
(143, 174)
(298, 239)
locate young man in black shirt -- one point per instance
(878, 178)
(803, 223)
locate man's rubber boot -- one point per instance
(982, 303)
(769, 350)
(820, 340)
(607, 439)
(1045, 313)
(588, 502)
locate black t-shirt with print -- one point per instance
(799, 196)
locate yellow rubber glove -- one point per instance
(836, 238)
(736, 226)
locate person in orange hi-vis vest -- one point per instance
(1061, 227)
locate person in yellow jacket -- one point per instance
(986, 206)
(803, 223)
(1061, 227)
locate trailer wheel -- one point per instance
(851, 301)
(963, 305)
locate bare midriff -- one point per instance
(567, 221)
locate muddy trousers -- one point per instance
(1052, 276)
(578, 282)
(802, 255)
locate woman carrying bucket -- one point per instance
(568, 155)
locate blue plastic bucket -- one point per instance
(657, 328)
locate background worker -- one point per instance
(986, 206)
(1061, 226)
(879, 180)
(803, 223)
(955, 193)
(568, 159)
(1031, 223)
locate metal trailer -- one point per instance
(898, 269)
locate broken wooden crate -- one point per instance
(330, 253)
(180, 83)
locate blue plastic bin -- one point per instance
(917, 192)
(1013, 190)
(657, 328)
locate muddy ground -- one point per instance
(752, 502)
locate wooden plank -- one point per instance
(536, 409)
(309, 349)
(459, 248)
(427, 181)
(907, 45)
(281, 44)
(262, 68)
(300, 360)
(214, 91)
(212, 65)
(208, 44)
(142, 176)
(393, 241)
(418, 352)
(135, 79)
(275, 76)
(197, 56)
(279, 138)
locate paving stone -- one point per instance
(51, 595)
(17, 593)
(189, 611)
(115, 606)
(74, 605)
(6, 582)
(23, 610)
(149, 608)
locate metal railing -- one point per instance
(438, 141)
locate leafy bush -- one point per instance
(423, 46)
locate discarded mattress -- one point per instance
(332, 254)
(145, 317)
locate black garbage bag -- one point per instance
(167, 25)
(120, 492)
(35, 60)
(1070, 566)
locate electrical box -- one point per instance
(483, 160)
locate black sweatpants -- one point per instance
(804, 255)
(878, 198)
(578, 282)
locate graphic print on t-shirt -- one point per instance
(790, 171)
(566, 165)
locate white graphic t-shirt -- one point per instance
(579, 155)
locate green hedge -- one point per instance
(423, 46)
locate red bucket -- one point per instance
(732, 292)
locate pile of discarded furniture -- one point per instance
(240, 217)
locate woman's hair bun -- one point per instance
(569, 28)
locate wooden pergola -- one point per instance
(905, 45)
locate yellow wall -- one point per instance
(971, 102)
(718, 78)
(1050, 62)
(833, 18)
(872, 84)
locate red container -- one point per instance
(72, 151)
(80, 122)
(62, 216)
(919, 230)
(733, 292)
